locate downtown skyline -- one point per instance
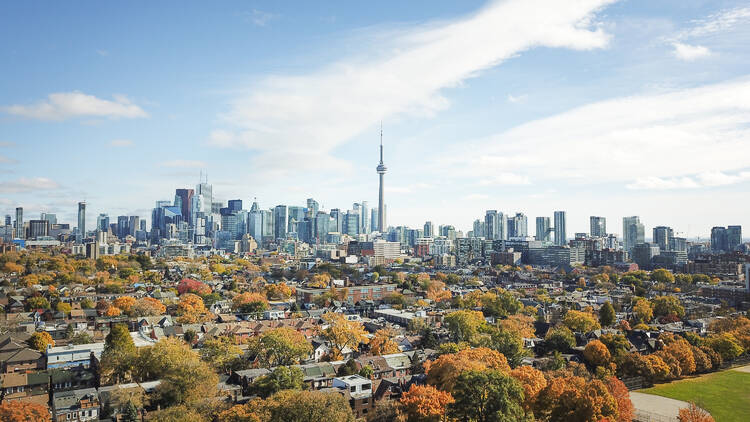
(664, 86)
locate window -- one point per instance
(353, 388)
(365, 386)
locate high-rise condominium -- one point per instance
(662, 236)
(633, 232)
(20, 231)
(81, 222)
(542, 229)
(598, 226)
(560, 233)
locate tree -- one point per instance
(617, 344)
(87, 304)
(501, 303)
(179, 413)
(250, 303)
(40, 340)
(300, 406)
(693, 413)
(221, 353)
(12, 267)
(464, 325)
(320, 281)
(642, 311)
(342, 333)
(575, 399)
(726, 345)
(187, 383)
(436, 291)
(81, 338)
(523, 325)
(36, 302)
(147, 306)
(510, 344)
(282, 378)
(620, 393)
(445, 370)
(119, 355)
(425, 403)
(124, 303)
(191, 309)
(487, 396)
(581, 322)
(129, 413)
(662, 276)
(188, 285)
(383, 343)
(63, 307)
(666, 305)
(279, 346)
(606, 315)
(681, 350)
(22, 411)
(597, 354)
(532, 380)
(560, 339)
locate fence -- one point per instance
(645, 416)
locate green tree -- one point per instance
(487, 396)
(282, 378)
(187, 383)
(129, 413)
(221, 353)
(119, 355)
(662, 276)
(560, 339)
(606, 314)
(508, 343)
(464, 325)
(279, 346)
(666, 305)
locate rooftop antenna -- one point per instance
(381, 142)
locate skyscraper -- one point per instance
(280, 221)
(491, 224)
(662, 234)
(365, 217)
(381, 169)
(7, 219)
(123, 229)
(734, 237)
(428, 229)
(560, 233)
(518, 225)
(20, 232)
(598, 226)
(81, 222)
(183, 199)
(632, 232)
(102, 222)
(542, 229)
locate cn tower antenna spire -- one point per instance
(381, 169)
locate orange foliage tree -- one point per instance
(596, 353)
(436, 291)
(191, 309)
(147, 306)
(425, 403)
(533, 382)
(124, 303)
(20, 411)
(693, 413)
(444, 371)
(573, 398)
(383, 343)
(621, 395)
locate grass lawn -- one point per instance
(725, 394)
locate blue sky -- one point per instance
(596, 107)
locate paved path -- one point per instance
(662, 408)
(745, 368)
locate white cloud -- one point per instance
(681, 139)
(184, 164)
(689, 52)
(321, 110)
(517, 98)
(475, 197)
(258, 17)
(66, 105)
(120, 143)
(504, 179)
(24, 185)
(416, 187)
(719, 22)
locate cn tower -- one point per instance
(381, 171)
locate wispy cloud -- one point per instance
(689, 52)
(121, 143)
(258, 17)
(680, 139)
(475, 197)
(184, 164)
(103, 53)
(66, 105)
(316, 112)
(708, 179)
(416, 187)
(723, 21)
(24, 185)
(517, 98)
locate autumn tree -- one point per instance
(560, 339)
(523, 325)
(436, 292)
(147, 306)
(726, 345)
(342, 333)
(581, 322)
(445, 370)
(119, 355)
(425, 403)
(606, 315)
(597, 354)
(532, 380)
(23, 411)
(37, 302)
(487, 396)
(221, 353)
(124, 303)
(642, 311)
(667, 305)
(249, 302)
(63, 307)
(40, 340)
(575, 399)
(279, 346)
(191, 309)
(300, 406)
(12, 267)
(188, 285)
(693, 413)
(464, 325)
(620, 393)
(662, 276)
(320, 281)
(278, 291)
(382, 343)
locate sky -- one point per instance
(595, 107)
